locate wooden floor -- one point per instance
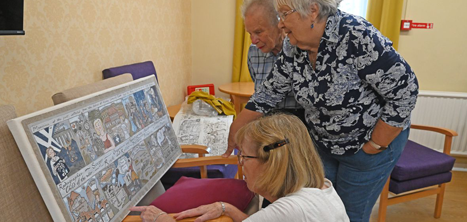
(454, 206)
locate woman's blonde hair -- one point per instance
(288, 168)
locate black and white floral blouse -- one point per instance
(359, 78)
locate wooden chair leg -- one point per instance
(439, 200)
(203, 171)
(383, 202)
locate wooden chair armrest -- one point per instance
(136, 218)
(445, 131)
(199, 149)
(204, 161)
(448, 134)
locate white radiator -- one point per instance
(442, 109)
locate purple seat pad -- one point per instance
(403, 186)
(419, 161)
(137, 70)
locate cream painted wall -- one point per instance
(438, 56)
(212, 41)
(68, 43)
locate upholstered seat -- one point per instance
(420, 167)
(417, 171)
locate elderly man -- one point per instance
(261, 22)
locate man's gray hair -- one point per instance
(267, 5)
(326, 7)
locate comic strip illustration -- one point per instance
(127, 176)
(112, 189)
(202, 130)
(155, 150)
(165, 137)
(98, 155)
(143, 163)
(155, 102)
(60, 150)
(87, 203)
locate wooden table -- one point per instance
(173, 110)
(240, 93)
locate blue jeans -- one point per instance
(359, 178)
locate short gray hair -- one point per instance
(268, 7)
(326, 7)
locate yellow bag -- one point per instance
(222, 106)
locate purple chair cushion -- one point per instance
(214, 171)
(137, 70)
(403, 186)
(189, 193)
(418, 161)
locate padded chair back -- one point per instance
(137, 70)
(74, 93)
(20, 199)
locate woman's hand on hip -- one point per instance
(369, 149)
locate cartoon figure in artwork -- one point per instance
(124, 127)
(79, 208)
(135, 116)
(58, 165)
(156, 152)
(90, 150)
(98, 206)
(156, 107)
(72, 148)
(109, 143)
(127, 177)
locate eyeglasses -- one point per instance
(282, 16)
(241, 158)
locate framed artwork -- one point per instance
(94, 157)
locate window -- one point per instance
(356, 7)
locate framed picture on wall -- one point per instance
(94, 157)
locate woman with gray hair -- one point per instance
(357, 91)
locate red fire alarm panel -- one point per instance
(406, 25)
(209, 88)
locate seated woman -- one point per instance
(281, 164)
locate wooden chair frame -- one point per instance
(386, 201)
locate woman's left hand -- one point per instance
(369, 149)
(149, 213)
(207, 212)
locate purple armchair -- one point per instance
(137, 70)
(419, 167)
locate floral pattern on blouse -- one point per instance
(359, 78)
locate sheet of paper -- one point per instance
(202, 130)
